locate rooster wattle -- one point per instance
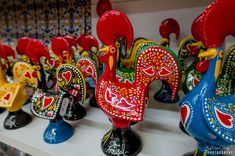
(125, 102)
(205, 116)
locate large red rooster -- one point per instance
(124, 102)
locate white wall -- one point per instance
(146, 24)
(146, 16)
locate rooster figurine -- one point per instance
(206, 117)
(66, 80)
(89, 64)
(167, 27)
(50, 104)
(14, 95)
(125, 102)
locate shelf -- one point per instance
(159, 132)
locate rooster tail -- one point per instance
(155, 62)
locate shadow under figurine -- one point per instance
(124, 103)
(204, 115)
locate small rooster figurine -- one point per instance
(14, 95)
(167, 27)
(125, 102)
(206, 117)
(51, 104)
(66, 80)
(89, 64)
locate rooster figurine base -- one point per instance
(2, 110)
(57, 131)
(74, 111)
(17, 119)
(121, 141)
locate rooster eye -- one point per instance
(221, 54)
(118, 45)
(112, 50)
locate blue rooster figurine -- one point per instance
(206, 117)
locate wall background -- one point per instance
(146, 16)
(43, 19)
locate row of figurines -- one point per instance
(56, 84)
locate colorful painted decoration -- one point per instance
(13, 96)
(205, 116)
(71, 81)
(189, 47)
(168, 26)
(225, 81)
(125, 102)
(47, 105)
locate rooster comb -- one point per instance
(2, 53)
(113, 25)
(88, 42)
(9, 51)
(215, 23)
(58, 45)
(22, 45)
(169, 26)
(36, 49)
(71, 41)
(102, 6)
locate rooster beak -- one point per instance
(80, 48)
(104, 50)
(210, 53)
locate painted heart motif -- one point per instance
(225, 119)
(125, 105)
(7, 97)
(28, 75)
(150, 71)
(67, 76)
(50, 113)
(185, 112)
(110, 96)
(90, 71)
(195, 81)
(164, 71)
(52, 62)
(47, 101)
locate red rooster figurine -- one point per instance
(124, 102)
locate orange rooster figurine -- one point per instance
(124, 103)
